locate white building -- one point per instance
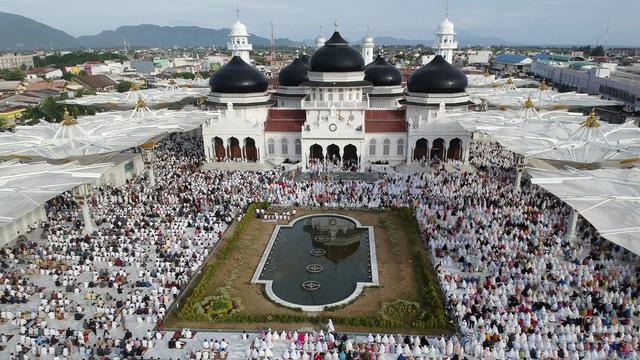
(239, 41)
(334, 110)
(444, 43)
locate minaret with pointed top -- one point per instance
(367, 48)
(320, 40)
(239, 40)
(444, 43)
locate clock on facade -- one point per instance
(333, 127)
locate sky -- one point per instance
(521, 21)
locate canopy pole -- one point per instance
(147, 159)
(572, 225)
(81, 195)
(521, 163)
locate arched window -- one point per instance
(271, 149)
(285, 146)
(298, 147)
(386, 144)
(372, 147)
(400, 150)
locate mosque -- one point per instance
(337, 105)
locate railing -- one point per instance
(337, 104)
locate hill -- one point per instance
(147, 35)
(19, 32)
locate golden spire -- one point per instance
(67, 119)
(528, 104)
(172, 82)
(591, 121)
(134, 87)
(543, 85)
(509, 80)
(140, 104)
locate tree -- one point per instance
(123, 86)
(11, 75)
(598, 51)
(52, 111)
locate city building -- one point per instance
(511, 64)
(15, 61)
(95, 82)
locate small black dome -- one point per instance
(293, 74)
(237, 77)
(381, 73)
(438, 76)
(336, 56)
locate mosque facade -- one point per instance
(336, 105)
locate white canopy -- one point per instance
(490, 81)
(608, 198)
(26, 187)
(154, 98)
(558, 135)
(511, 97)
(100, 134)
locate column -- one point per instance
(304, 160)
(147, 159)
(521, 163)
(573, 223)
(361, 157)
(81, 195)
(226, 149)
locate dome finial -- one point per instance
(592, 120)
(335, 24)
(237, 13)
(67, 119)
(367, 29)
(446, 10)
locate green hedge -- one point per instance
(189, 310)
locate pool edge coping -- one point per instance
(268, 284)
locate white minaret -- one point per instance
(444, 43)
(367, 48)
(239, 40)
(320, 40)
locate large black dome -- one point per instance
(438, 76)
(293, 74)
(237, 77)
(381, 73)
(336, 56)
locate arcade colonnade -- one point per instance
(235, 148)
(438, 147)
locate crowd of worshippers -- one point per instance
(272, 215)
(331, 345)
(515, 284)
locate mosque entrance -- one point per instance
(250, 149)
(437, 150)
(455, 149)
(235, 151)
(315, 152)
(421, 150)
(333, 153)
(218, 149)
(350, 156)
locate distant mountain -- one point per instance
(147, 35)
(463, 39)
(18, 32)
(21, 33)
